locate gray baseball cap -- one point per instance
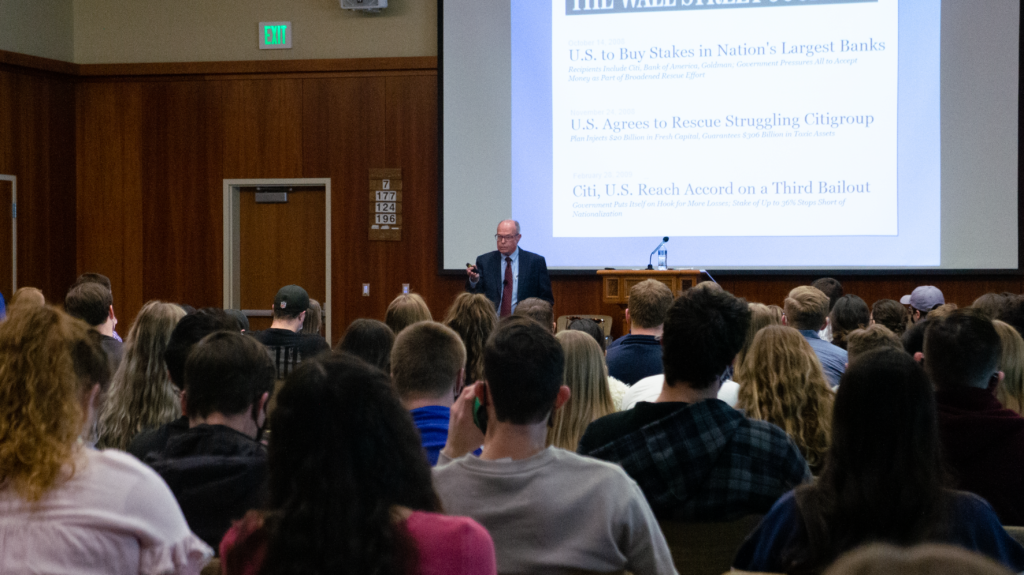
(924, 298)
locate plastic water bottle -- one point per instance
(663, 258)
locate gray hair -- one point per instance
(514, 222)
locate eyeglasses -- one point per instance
(502, 238)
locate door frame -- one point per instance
(14, 229)
(232, 238)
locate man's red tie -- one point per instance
(506, 292)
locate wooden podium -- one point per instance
(615, 284)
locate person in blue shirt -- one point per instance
(806, 309)
(428, 367)
(638, 354)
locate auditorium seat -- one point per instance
(706, 548)
(605, 321)
(212, 568)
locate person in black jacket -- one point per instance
(218, 468)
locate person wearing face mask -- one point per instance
(66, 507)
(218, 468)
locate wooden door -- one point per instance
(6, 240)
(281, 244)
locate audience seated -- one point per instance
(990, 304)
(1012, 312)
(142, 395)
(27, 297)
(590, 397)
(314, 321)
(538, 310)
(638, 355)
(983, 442)
(217, 469)
(924, 559)
(92, 303)
(781, 382)
(236, 314)
(548, 510)
(66, 508)
(472, 316)
(590, 327)
(287, 345)
(922, 301)
(806, 310)
(369, 340)
(1011, 362)
(664, 446)
(875, 336)
(358, 497)
(405, 310)
(105, 282)
(913, 338)
(892, 314)
(849, 313)
(883, 481)
(943, 310)
(428, 369)
(834, 290)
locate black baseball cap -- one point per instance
(291, 299)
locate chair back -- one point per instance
(212, 568)
(605, 321)
(706, 548)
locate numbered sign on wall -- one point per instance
(386, 204)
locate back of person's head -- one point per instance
(591, 398)
(947, 308)
(369, 340)
(90, 302)
(961, 350)
(49, 364)
(405, 310)
(1011, 363)
(990, 304)
(344, 454)
(290, 302)
(236, 314)
(1012, 312)
(472, 316)
(806, 307)
(913, 338)
(924, 559)
(704, 330)
(25, 297)
(849, 312)
(189, 330)
(538, 310)
(761, 316)
(649, 301)
(831, 288)
(883, 477)
(227, 373)
(875, 336)
(426, 360)
(781, 382)
(525, 366)
(591, 328)
(141, 395)
(93, 278)
(314, 321)
(892, 314)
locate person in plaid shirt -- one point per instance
(694, 457)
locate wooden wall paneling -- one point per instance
(109, 191)
(263, 128)
(343, 136)
(182, 149)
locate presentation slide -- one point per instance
(755, 134)
(686, 121)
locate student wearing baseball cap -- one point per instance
(923, 300)
(287, 345)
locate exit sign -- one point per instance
(275, 35)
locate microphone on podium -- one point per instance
(664, 241)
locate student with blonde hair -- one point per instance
(587, 380)
(806, 309)
(1011, 362)
(405, 310)
(65, 508)
(781, 382)
(142, 395)
(472, 316)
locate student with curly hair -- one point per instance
(142, 395)
(350, 487)
(472, 316)
(781, 382)
(66, 508)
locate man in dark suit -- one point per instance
(509, 275)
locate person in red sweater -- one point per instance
(983, 442)
(350, 486)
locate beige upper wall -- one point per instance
(38, 27)
(126, 31)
